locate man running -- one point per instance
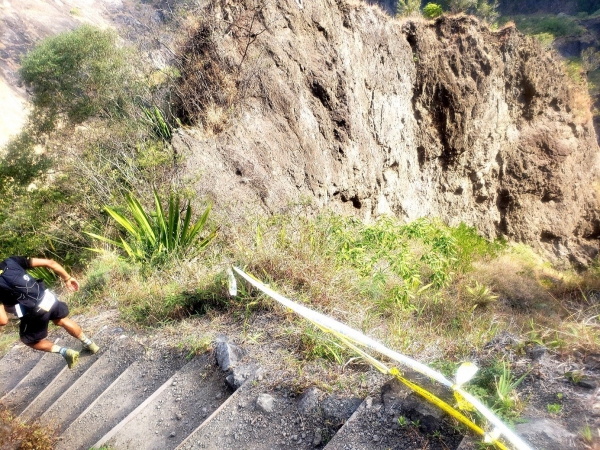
(36, 306)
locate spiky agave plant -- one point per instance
(153, 236)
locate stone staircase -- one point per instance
(129, 396)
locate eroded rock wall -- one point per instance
(370, 115)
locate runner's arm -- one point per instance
(69, 281)
(3, 316)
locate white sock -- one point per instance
(86, 341)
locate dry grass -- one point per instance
(304, 260)
(19, 436)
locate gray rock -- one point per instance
(239, 375)
(546, 434)
(318, 437)
(265, 403)
(592, 361)
(393, 395)
(309, 400)
(468, 443)
(428, 416)
(227, 354)
(339, 409)
(536, 352)
(587, 384)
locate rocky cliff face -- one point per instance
(370, 115)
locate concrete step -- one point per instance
(242, 423)
(15, 365)
(396, 418)
(84, 390)
(126, 393)
(38, 378)
(65, 378)
(174, 411)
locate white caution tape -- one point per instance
(231, 283)
(336, 327)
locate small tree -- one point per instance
(79, 73)
(407, 8)
(487, 10)
(432, 10)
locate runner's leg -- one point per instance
(70, 326)
(43, 345)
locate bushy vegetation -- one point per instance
(81, 73)
(548, 24)
(432, 10)
(54, 177)
(21, 436)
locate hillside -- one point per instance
(373, 116)
(342, 152)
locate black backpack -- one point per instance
(19, 287)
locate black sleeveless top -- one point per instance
(17, 286)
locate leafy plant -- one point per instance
(587, 435)
(18, 435)
(574, 376)
(43, 273)
(19, 165)
(554, 408)
(458, 6)
(159, 125)
(496, 385)
(555, 25)
(480, 294)
(154, 236)
(432, 10)
(506, 384)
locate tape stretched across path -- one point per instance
(350, 337)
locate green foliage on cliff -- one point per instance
(408, 8)
(548, 24)
(484, 9)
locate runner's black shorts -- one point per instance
(33, 329)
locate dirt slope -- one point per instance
(371, 115)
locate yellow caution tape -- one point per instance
(429, 396)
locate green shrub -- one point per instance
(545, 39)
(154, 236)
(80, 73)
(487, 10)
(20, 165)
(549, 24)
(432, 10)
(408, 7)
